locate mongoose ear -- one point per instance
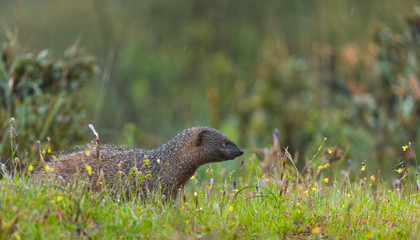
(200, 138)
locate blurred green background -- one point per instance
(344, 70)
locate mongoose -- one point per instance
(165, 169)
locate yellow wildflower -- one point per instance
(49, 150)
(320, 167)
(399, 170)
(48, 169)
(193, 177)
(326, 165)
(404, 147)
(326, 180)
(30, 168)
(297, 204)
(89, 169)
(325, 139)
(329, 151)
(195, 194)
(43, 151)
(230, 208)
(158, 161)
(316, 230)
(87, 153)
(267, 179)
(409, 143)
(314, 189)
(59, 198)
(372, 178)
(363, 168)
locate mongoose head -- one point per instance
(213, 146)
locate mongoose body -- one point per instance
(165, 169)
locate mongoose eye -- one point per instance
(224, 145)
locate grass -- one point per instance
(311, 209)
(222, 205)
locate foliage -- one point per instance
(42, 95)
(366, 100)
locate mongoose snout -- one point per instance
(234, 152)
(231, 151)
(165, 169)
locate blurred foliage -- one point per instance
(40, 93)
(365, 100)
(342, 90)
(345, 70)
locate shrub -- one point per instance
(39, 92)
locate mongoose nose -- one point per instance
(240, 151)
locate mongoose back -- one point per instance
(165, 169)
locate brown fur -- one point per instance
(169, 167)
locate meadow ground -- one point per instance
(313, 207)
(265, 198)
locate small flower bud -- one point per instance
(397, 183)
(343, 173)
(93, 130)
